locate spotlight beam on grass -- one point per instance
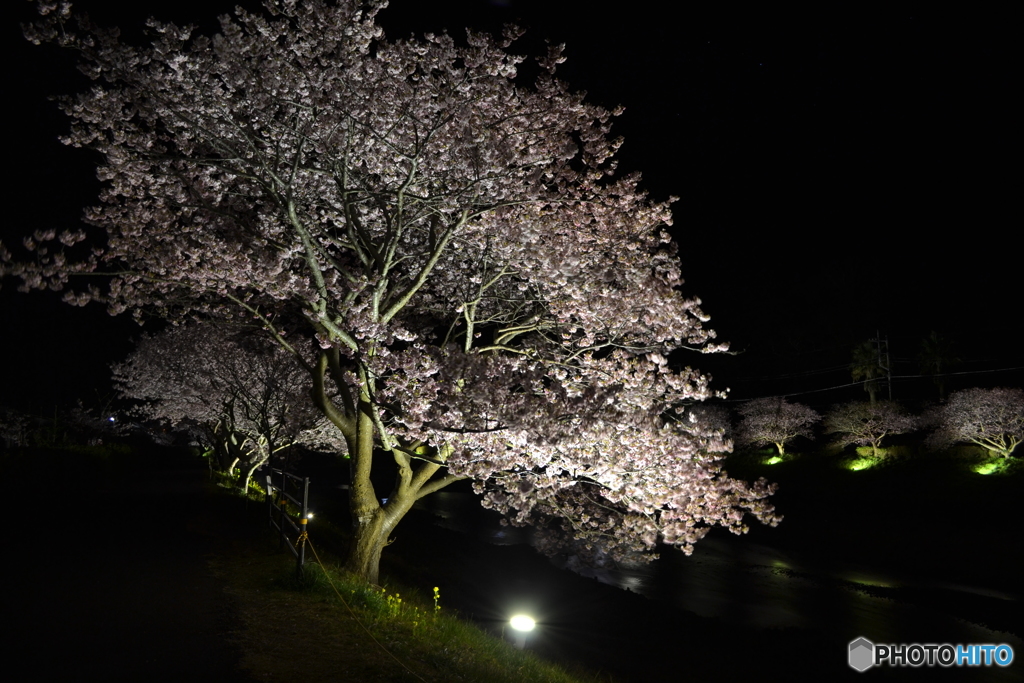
(861, 464)
(989, 467)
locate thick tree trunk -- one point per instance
(373, 521)
(371, 535)
(364, 555)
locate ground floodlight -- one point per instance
(522, 625)
(521, 622)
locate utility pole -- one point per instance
(883, 358)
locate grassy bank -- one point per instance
(330, 626)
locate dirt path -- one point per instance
(112, 583)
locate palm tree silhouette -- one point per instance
(865, 367)
(937, 356)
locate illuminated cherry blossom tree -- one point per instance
(867, 424)
(473, 291)
(775, 421)
(248, 397)
(990, 418)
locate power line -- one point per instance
(861, 383)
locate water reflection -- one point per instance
(739, 582)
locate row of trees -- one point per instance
(440, 245)
(246, 399)
(990, 418)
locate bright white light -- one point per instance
(309, 515)
(521, 622)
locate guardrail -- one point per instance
(284, 488)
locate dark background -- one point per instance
(841, 173)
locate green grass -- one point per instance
(331, 625)
(420, 632)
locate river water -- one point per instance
(762, 592)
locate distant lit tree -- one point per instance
(775, 421)
(990, 418)
(247, 395)
(867, 424)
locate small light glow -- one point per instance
(111, 419)
(309, 515)
(521, 622)
(774, 460)
(860, 464)
(987, 468)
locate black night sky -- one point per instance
(840, 173)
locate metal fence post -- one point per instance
(279, 497)
(268, 496)
(300, 556)
(305, 519)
